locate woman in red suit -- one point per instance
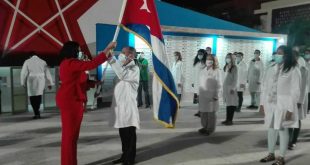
(72, 95)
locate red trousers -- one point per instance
(71, 118)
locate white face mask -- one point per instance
(80, 55)
(256, 56)
(239, 59)
(141, 56)
(228, 60)
(200, 57)
(209, 62)
(122, 58)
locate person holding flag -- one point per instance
(140, 18)
(124, 104)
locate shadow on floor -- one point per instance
(175, 144)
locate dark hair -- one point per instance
(288, 58)
(204, 58)
(179, 55)
(257, 51)
(215, 66)
(208, 48)
(133, 51)
(232, 62)
(70, 49)
(240, 53)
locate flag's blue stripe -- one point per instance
(168, 105)
(143, 31)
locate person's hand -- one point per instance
(109, 48)
(299, 105)
(112, 45)
(288, 116)
(262, 110)
(242, 86)
(232, 91)
(49, 87)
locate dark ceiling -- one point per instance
(237, 11)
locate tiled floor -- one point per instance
(24, 141)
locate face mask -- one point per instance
(256, 55)
(80, 55)
(228, 60)
(141, 56)
(122, 58)
(307, 56)
(278, 58)
(209, 62)
(238, 59)
(200, 57)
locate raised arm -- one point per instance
(78, 65)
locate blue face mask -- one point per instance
(278, 58)
(307, 56)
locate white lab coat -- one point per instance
(255, 75)
(124, 102)
(287, 96)
(303, 99)
(196, 76)
(230, 83)
(177, 74)
(35, 71)
(209, 88)
(242, 75)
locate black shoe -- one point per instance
(279, 161)
(203, 131)
(291, 146)
(229, 123)
(36, 117)
(268, 158)
(255, 107)
(139, 105)
(118, 161)
(250, 107)
(147, 106)
(224, 122)
(197, 114)
(128, 163)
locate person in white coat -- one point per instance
(303, 100)
(307, 59)
(177, 73)
(35, 74)
(255, 76)
(199, 64)
(209, 89)
(242, 78)
(125, 103)
(280, 95)
(230, 89)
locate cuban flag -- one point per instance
(140, 18)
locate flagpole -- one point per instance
(120, 20)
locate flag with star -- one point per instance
(140, 18)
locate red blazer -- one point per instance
(74, 79)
